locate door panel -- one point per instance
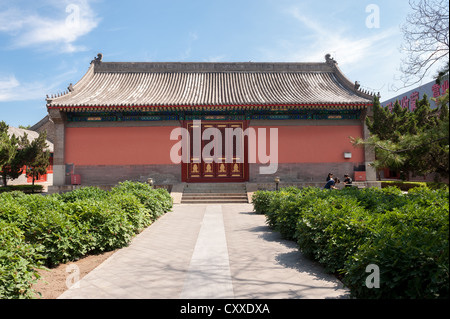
(209, 162)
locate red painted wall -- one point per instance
(118, 145)
(152, 145)
(316, 144)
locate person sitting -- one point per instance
(330, 175)
(330, 184)
(347, 181)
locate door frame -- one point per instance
(245, 165)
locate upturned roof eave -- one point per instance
(205, 107)
(70, 99)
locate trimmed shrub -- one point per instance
(410, 246)
(28, 189)
(19, 262)
(84, 193)
(58, 228)
(261, 201)
(331, 229)
(54, 231)
(134, 210)
(157, 201)
(405, 235)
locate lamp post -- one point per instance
(277, 181)
(150, 181)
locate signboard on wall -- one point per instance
(70, 169)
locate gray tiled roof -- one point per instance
(177, 84)
(32, 135)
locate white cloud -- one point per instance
(217, 58)
(316, 40)
(61, 30)
(347, 50)
(370, 56)
(12, 89)
(192, 37)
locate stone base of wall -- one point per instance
(111, 175)
(171, 174)
(304, 172)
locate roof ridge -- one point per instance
(202, 67)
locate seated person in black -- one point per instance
(347, 181)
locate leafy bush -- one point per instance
(331, 229)
(406, 186)
(19, 262)
(54, 229)
(134, 210)
(22, 188)
(261, 200)
(410, 246)
(84, 193)
(406, 235)
(103, 224)
(157, 201)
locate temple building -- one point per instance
(209, 122)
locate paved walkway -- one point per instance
(208, 252)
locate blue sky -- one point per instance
(47, 44)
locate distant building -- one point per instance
(408, 99)
(45, 180)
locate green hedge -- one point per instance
(405, 235)
(406, 186)
(23, 188)
(39, 231)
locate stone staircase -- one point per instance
(214, 193)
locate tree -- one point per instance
(8, 151)
(411, 142)
(37, 157)
(14, 168)
(426, 39)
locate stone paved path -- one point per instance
(208, 252)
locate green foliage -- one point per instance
(411, 142)
(157, 201)
(406, 186)
(410, 246)
(64, 227)
(19, 262)
(405, 235)
(8, 153)
(37, 156)
(261, 201)
(84, 193)
(22, 188)
(134, 210)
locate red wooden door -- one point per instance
(219, 155)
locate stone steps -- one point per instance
(206, 193)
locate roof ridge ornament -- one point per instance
(330, 61)
(97, 59)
